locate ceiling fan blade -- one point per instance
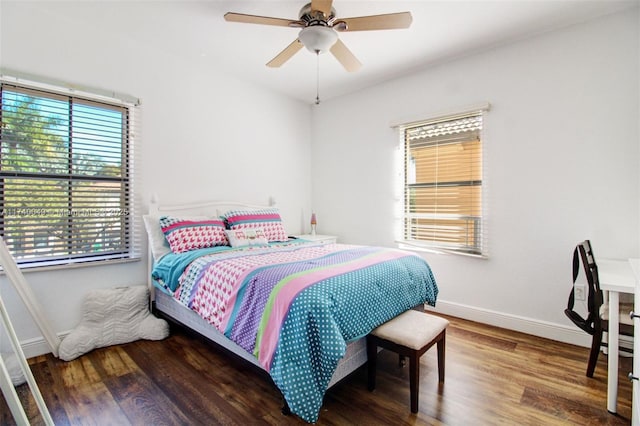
(345, 57)
(263, 20)
(323, 6)
(388, 21)
(285, 55)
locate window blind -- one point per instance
(443, 184)
(66, 177)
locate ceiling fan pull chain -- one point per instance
(317, 77)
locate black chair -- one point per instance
(597, 319)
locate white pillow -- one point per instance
(158, 243)
(113, 316)
(246, 237)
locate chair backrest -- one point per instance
(583, 253)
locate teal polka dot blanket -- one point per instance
(296, 306)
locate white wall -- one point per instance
(561, 165)
(205, 135)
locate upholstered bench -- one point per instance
(409, 334)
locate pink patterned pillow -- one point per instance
(185, 235)
(266, 219)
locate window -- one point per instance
(443, 183)
(66, 176)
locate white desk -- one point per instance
(616, 276)
(635, 404)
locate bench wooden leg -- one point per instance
(414, 380)
(441, 358)
(372, 355)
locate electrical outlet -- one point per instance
(579, 292)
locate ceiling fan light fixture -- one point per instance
(318, 38)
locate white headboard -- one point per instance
(201, 208)
(206, 208)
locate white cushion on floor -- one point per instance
(110, 317)
(12, 365)
(412, 329)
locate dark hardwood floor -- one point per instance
(493, 376)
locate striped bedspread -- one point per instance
(296, 306)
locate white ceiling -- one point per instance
(441, 30)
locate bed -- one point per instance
(297, 309)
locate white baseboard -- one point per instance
(559, 332)
(38, 346)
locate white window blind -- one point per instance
(66, 177)
(443, 184)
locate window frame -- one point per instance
(479, 249)
(128, 233)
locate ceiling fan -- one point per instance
(319, 24)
